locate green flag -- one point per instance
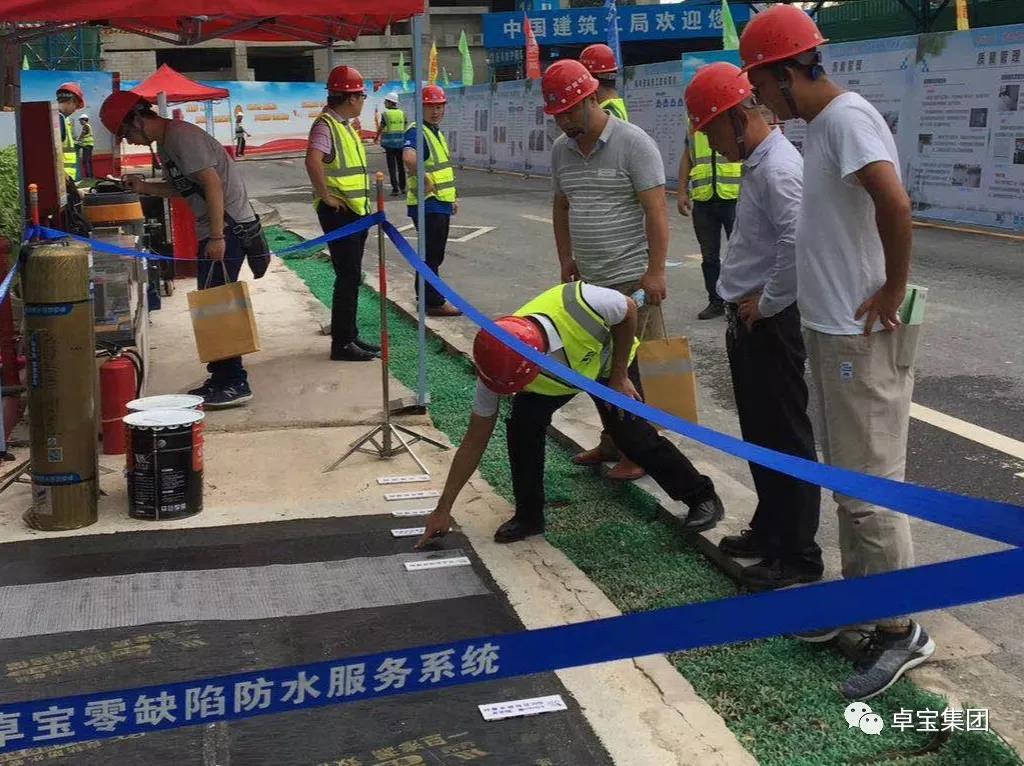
(467, 60)
(730, 40)
(24, 63)
(446, 81)
(403, 74)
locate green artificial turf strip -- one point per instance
(779, 697)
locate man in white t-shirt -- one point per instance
(853, 243)
(592, 330)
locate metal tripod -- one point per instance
(386, 431)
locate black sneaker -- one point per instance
(887, 657)
(515, 530)
(746, 545)
(712, 310)
(373, 348)
(775, 573)
(204, 390)
(224, 397)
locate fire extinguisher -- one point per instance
(118, 386)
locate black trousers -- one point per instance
(436, 242)
(396, 168)
(240, 146)
(767, 366)
(86, 162)
(709, 218)
(347, 259)
(636, 438)
(224, 372)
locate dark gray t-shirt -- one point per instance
(606, 220)
(191, 150)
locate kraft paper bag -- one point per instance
(223, 322)
(666, 371)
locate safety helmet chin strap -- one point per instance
(810, 62)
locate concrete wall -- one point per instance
(132, 64)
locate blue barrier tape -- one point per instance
(5, 286)
(364, 223)
(742, 618)
(118, 713)
(1003, 522)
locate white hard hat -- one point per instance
(392, 97)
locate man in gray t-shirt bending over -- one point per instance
(196, 167)
(610, 220)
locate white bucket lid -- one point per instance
(165, 402)
(163, 418)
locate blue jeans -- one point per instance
(224, 372)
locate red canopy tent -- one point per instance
(177, 87)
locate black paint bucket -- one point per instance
(165, 463)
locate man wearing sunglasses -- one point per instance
(196, 167)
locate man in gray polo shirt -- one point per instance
(763, 340)
(610, 219)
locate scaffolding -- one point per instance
(74, 50)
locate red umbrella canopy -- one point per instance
(318, 21)
(178, 87)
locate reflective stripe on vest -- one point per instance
(394, 128)
(345, 174)
(586, 337)
(438, 166)
(68, 154)
(616, 107)
(712, 174)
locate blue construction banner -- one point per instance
(579, 26)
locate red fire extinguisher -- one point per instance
(117, 388)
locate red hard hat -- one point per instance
(714, 90)
(73, 88)
(116, 108)
(434, 94)
(565, 84)
(599, 59)
(345, 79)
(776, 34)
(500, 368)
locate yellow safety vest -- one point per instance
(712, 174)
(617, 107)
(438, 166)
(70, 156)
(586, 337)
(393, 136)
(86, 138)
(346, 175)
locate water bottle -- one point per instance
(639, 297)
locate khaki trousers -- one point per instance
(863, 397)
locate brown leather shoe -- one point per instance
(594, 456)
(446, 310)
(625, 470)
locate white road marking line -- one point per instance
(977, 434)
(479, 230)
(537, 218)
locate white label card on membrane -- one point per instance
(403, 479)
(452, 561)
(496, 711)
(408, 532)
(413, 512)
(417, 495)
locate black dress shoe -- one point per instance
(515, 530)
(776, 573)
(712, 310)
(748, 544)
(366, 346)
(351, 352)
(704, 515)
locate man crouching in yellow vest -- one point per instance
(592, 330)
(336, 166)
(441, 201)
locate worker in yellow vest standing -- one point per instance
(709, 186)
(440, 198)
(391, 137)
(85, 142)
(70, 99)
(600, 62)
(336, 165)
